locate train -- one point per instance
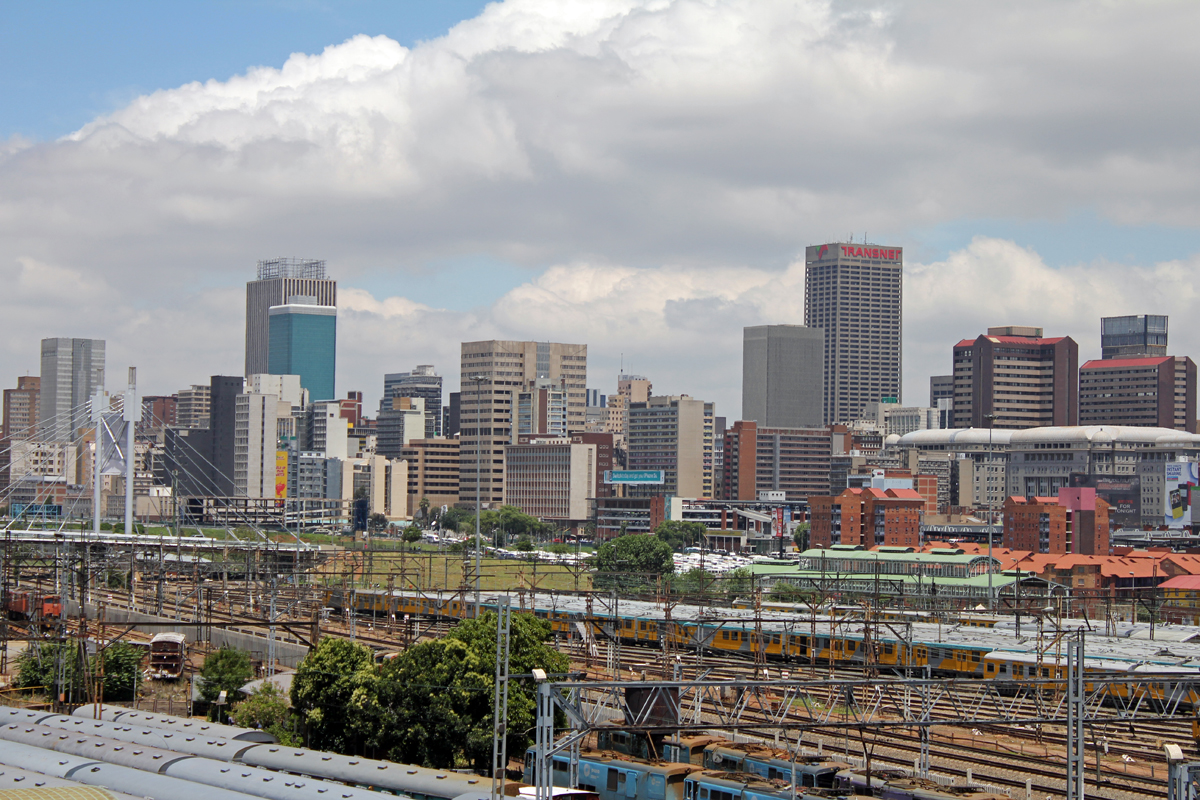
(972, 645)
(44, 609)
(613, 777)
(168, 656)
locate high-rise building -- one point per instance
(194, 406)
(542, 408)
(940, 386)
(303, 341)
(401, 421)
(21, 406)
(673, 434)
(493, 374)
(551, 478)
(432, 472)
(222, 426)
(278, 280)
(1017, 376)
(72, 369)
(1156, 392)
(1132, 336)
(256, 446)
(854, 293)
(450, 415)
(422, 382)
(782, 370)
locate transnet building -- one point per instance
(854, 293)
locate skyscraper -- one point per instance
(854, 293)
(493, 374)
(1133, 336)
(303, 341)
(1019, 377)
(782, 368)
(278, 280)
(675, 435)
(422, 382)
(72, 369)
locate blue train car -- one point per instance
(614, 778)
(773, 765)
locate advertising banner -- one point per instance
(1177, 482)
(653, 476)
(281, 474)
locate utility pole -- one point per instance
(478, 379)
(130, 421)
(991, 422)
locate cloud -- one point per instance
(656, 164)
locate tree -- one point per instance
(434, 705)
(632, 562)
(423, 507)
(455, 517)
(679, 534)
(696, 582)
(524, 544)
(228, 670)
(739, 583)
(122, 661)
(411, 534)
(267, 709)
(800, 536)
(333, 679)
(377, 522)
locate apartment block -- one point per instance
(493, 374)
(433, 467)
(1017, 376)
(1076, 521)
(758, 458)
(21, 407)
(194, 406)
(867, 517)
(1150, 391)
(673, 434)
(402, 420)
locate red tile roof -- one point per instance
(1182, 582)
(1114, 363)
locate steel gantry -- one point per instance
(863, 703)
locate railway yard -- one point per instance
(984, 705)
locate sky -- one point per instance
(638, 175)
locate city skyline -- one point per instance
(652, 211)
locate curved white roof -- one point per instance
(959, 436)
(1098, 434)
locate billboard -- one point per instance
(642, 476)
(281, 474)
(1122, 492)
(1178, 479)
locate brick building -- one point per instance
(867, 517)
(1022, 378)
(1074, 522)
(791, 460)
(1142, 392)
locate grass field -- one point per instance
(432, 571)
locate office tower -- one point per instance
(401, 421)
(542, 408)
(21, 406)
(762, 459)
(493, 373)
(278, 280)
(451, 414)
(940, 386)
(1018, 376)
(303, 341)
(1127, 337)
(673, 434)
(432, 472)
(160, 411)
(1156, 392)
(256, 445)
(323, 430)
(782, 368)
(222, 426)
(422, 382)
(72, 369)
(551, 478)
(194, 407)
(853, 292)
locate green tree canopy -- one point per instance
(434, 704)
(228, 670)
(267, 709)
(334, 678)
(60, 668)
(411, 534)
(679, 534)
(632, 562)
(377, 522)
(800, 536)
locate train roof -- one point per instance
(174, 638)
(131, 716)
(367, 771)
(16, 778)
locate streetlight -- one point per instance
(990, 419)
(478, 379)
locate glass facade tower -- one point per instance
(303, 341)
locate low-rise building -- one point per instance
(867, 517)
(1076, 521)
(433, 466)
